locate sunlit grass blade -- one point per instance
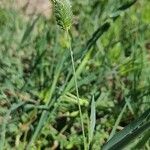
(92, 120)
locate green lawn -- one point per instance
(39, 102)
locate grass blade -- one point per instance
(92, 120)
(117, 122)
(130, 137)
(127, 5)
(142, 141)
(28, 30)
(130, 132)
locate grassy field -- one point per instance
(51, 100)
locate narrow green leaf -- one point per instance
(92, 120)
(127, 5)
(28, 30)
(96, 35)
(142, 141)
(130, 132)
(122, 8)
(131, 136)
(117, 122)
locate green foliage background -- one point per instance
(36, 75)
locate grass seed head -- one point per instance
(63, 13)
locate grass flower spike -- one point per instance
(63, 13)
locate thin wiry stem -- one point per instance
(77, 91)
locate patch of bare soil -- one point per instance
(31, 7)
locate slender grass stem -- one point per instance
(77, 91)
